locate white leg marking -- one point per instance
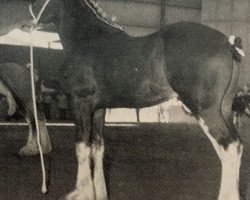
(164, 109)
(84, 186)
(238, 122)
(247, 110)
(45, 139)
(31, 147)
(230, 166)
(30, 136)
(99, 180)
(234, 118)
(12, 105)
(230, 163)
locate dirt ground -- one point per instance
(146, 162)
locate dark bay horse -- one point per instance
(106, 68)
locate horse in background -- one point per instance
(47, 62)
(106, 68)
(20, 92)
(240, 107)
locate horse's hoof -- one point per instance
(72, 196)
(32, 150)
(106, 198)
(29, 150)
(80, 195)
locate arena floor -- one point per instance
(145, 162)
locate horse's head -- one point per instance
(76, 21)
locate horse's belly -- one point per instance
(138, 94)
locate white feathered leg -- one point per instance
(84, 186)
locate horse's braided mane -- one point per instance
(100, 14)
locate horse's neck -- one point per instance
(80, 25)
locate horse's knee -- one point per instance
(83, 120)
(84, 91)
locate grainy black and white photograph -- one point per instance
(124, 99)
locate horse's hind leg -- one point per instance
(238, 122)
(44, 136)
(31, 147)
(97, 155)
(217, 123)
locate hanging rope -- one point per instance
(34, 25)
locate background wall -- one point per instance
(230, 17)
(141, 17)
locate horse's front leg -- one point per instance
(84, 189)
(31, 147)
(97, 155)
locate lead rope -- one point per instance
(35, 22)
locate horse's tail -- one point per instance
(235, 45)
